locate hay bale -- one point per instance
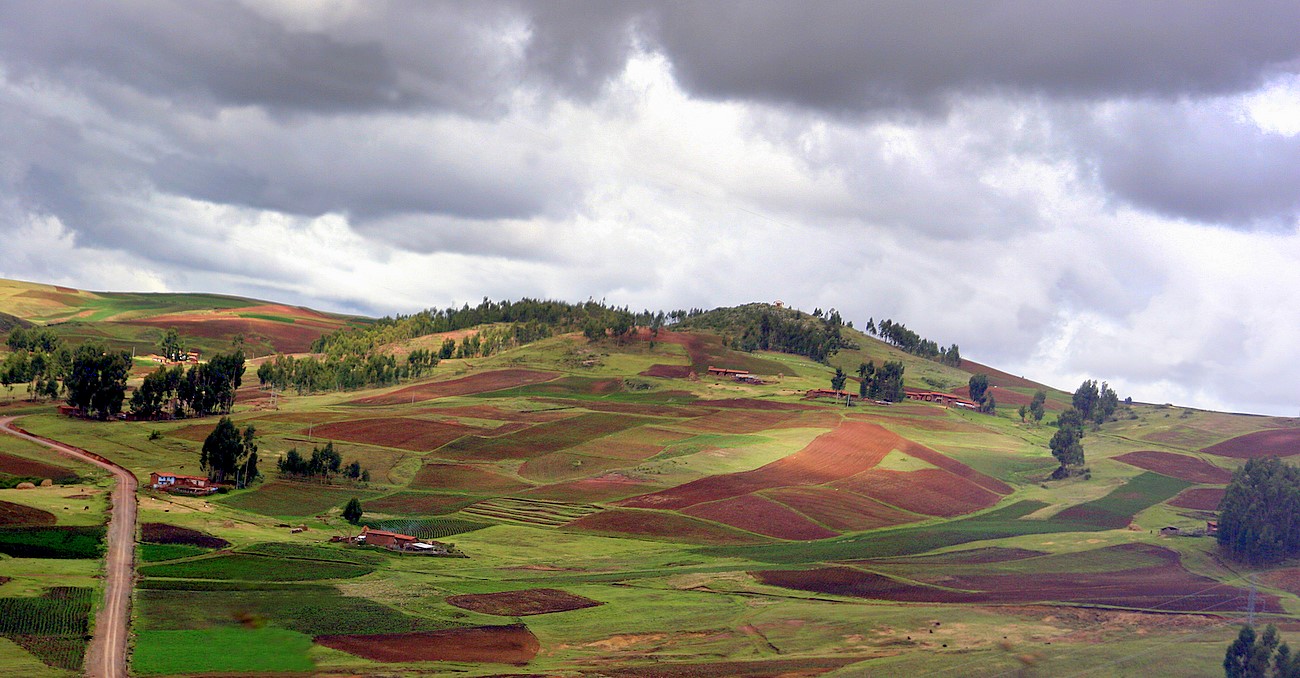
(26, 486)
(47, 483)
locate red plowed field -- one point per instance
(419, 503)
(851, 448)
(614, 406)
(18, 514)
(998, 377)
(522, 603)
(542, 439)
(513, 644)
(755, 404)
(602, 488)
(740, 421)
(1005, 397)
(668, 371)
(930, 491)
(659, 525)
(755, 514)
(1179, 466)
(31, 468)
(482, 382)
(498, 414)
(955, 467)
(766, 668)
(402, 432)
(1199, 498)
(1166, 587)
(464, 477)
(839, 510)
(1278, 442)
(163, 533)
(295, 337)
(979, 556)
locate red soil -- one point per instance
(295, 337)
(513, 644)
(1278, 442)
(301, 417)
(195, 432)
(754, 404)
(31, 468)
(18, 514)
(482, 382)
(162, 533)
(419, 503)
(602, 488)
(851, 448)
(930, 491)
(1167, 587)
(668, 371)
(660, 525)
(1179, 466)
(837, 510)
(767, 668)
(978, 556)
(739, 421)
(755, 514)
(463, 477)
(998, 377)
(498, 414)
(955, 467)
(402, 432)
(541, 439)
(522, 603)
(640, 409)
(1199, 498)
(925, 424)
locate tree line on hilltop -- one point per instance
(908, 341)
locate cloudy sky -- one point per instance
(1105, 189)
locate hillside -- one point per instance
(621, 512)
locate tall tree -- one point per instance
(171, 345)
(1036, 409)
(229, 453)
(1259, 517)
(978, 384)
(1066, 443)
(837, 381)
(352, 512)
(96, 382)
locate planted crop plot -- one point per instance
(853, 447)
(221, 650)
(668, 371)
(12, 514)
(755, 514)
(558, 466)
(535, 512)
(522, 603)
(542, 438)
(405, 433)
(641, 408)
(163, 533)
(756, 404)
(1179, 466)
(61, 542)
(255, 568)
(54, 626)
(740, 421)
(464, 477)
(931, 491)
(1116, 509)
(492, 413)
(158, 553)
(427, 528)
(839, 510)
(23, 467)
(419, 503)
(482, 382)
(513, 644)
(601, 488)
(979, 556)
(1165, 587)
(1278, 442)
(1199, 498)
(291, 499)
(280, 549)
(661, 525)
(284, 337)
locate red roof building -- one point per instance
(388, 540)
(181, 484)
(724, 372)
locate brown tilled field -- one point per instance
(419, 435)
(1278, 442)
(756, 404)
(483, 382)
(1199, 498)
(522, 603)
(661, 525)
(464, 477)
(541, 439)
(1167, 587)
(668, 371)
(513, 644)
(1179, 466)
(295, 337)
(851, 448)
(163, 533)
(753, 513)
(12, 514)
(839, 510)
(739, 421)
(31, 468)
(931, 491)
(602, 488)
(419, 503)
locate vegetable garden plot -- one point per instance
(483, 382)
(1179, 466)
(1279, 442)
(513, 644)
(522, 603)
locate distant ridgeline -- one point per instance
(764, 327)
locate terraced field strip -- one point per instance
(529, 511)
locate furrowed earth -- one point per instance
(615, 510)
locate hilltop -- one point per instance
(623, 512)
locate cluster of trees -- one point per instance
(1067, 442)
(1261, 655)
(1090, 404)
(172, 346)
(911, 342)
(229, 453)
(1036, 408)
(1259, 517)
(980, 393)
(334, 373)
(323, 464)
(762, 327)
(203, 389)
(881, 383)
(1095, 404)
(96, 380)
(352, 511)
(39, 358)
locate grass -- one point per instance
(254, 567)
(156, 553)
(52, 542)
(293, 499)
(221, 650)
(322, 553)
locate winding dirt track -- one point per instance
(106, 656)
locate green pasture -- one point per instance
(221, 650)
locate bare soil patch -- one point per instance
(932, 492)
(1199, 498)
(464, 477)
(285, 337)
(838, 510)
(756, 404)
(1166, 587)
(405, 433)
(12, 514)
(602, 488)
(24, 467)
(756, 514)
(739, 421)
(513, 644)
(542, 439)
(522, 603)
(668, 371)
(498, 414)
(195, 432)
(661, 525)
(163, 533)
(1179, 466)
(1278, 442)
(483, 382)
(1005, 397)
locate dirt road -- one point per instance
(106, 656)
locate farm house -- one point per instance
(181, 484)
(398, 542)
